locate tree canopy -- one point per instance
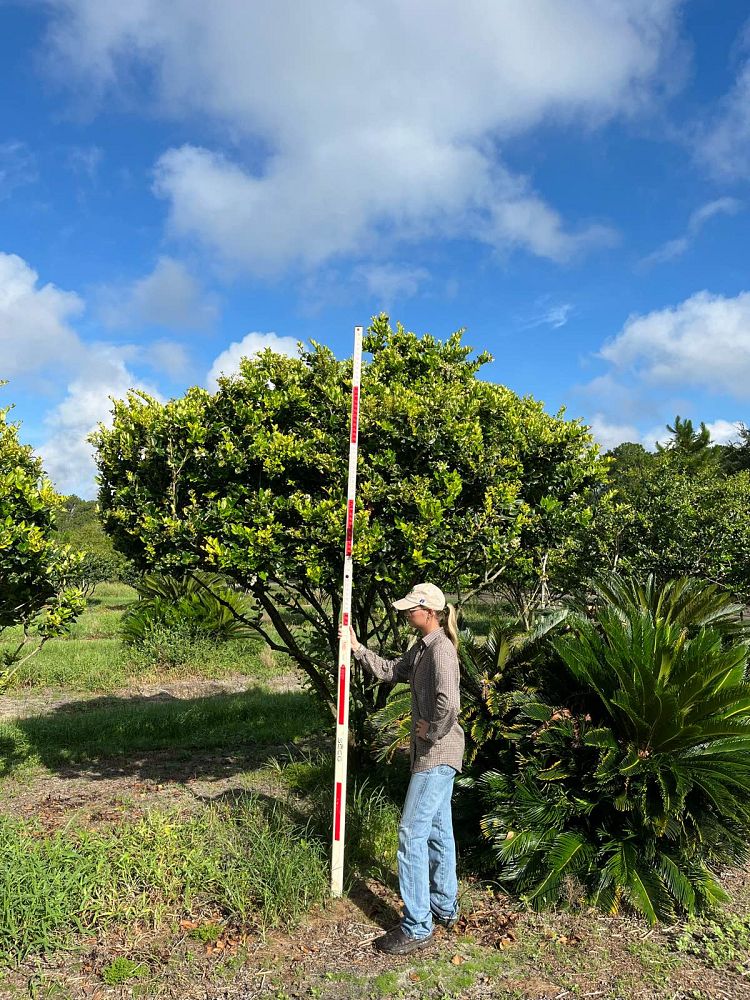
(685, 509)
(460, 482)
(35, 572)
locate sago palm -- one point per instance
(644, 792)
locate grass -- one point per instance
(372, 813)
(252, 864)
(93, 659)
(112, 726)
(121, 970)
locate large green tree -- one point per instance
(35, 572)
(460, 482)
(682, 516)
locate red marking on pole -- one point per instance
(342, 693)
(355, 412)
(337, 814)
(349, 527)
(345, 618)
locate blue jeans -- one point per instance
(427, 851)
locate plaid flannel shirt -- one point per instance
(430, 667)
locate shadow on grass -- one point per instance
(112, 736)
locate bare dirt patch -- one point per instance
(126, 787)
(331, 956)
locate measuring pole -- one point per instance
(345, 646)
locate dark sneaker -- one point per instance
(448, 922)
(397, 942)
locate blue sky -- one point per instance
(182, 183)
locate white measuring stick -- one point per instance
(345, 646)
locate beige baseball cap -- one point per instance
(422, 595)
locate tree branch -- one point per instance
(488, 580)
(311, 667)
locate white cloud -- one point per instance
(656, 435)
(169, 297)
(303, 210)
(720, 206)
(724, 143)
(228, 362)
(35, 321)
(67, 456)
(36, 335)
(523, 219)
(167, 357)
(388, 282)
(610, 434)
(85, 160)
(704, 341)
(675, 248)
(374, 118)
(546, 313)
(723, 431)
(17, 167)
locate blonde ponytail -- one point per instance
(449, 623)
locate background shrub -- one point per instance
(194, 607)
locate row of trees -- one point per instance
(683, 510)
(587, 751)
(461, 481)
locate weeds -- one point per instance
(720, 942)
(121, 970)
(372, 816)
(207, 933)
(168, 648)
(253, 865)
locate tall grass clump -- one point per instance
(255, 865)
(632, 782)
(372, 815)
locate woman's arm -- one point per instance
(389, 671)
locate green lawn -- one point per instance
(93, 659)
(107, 726)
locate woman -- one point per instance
(427, 849)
